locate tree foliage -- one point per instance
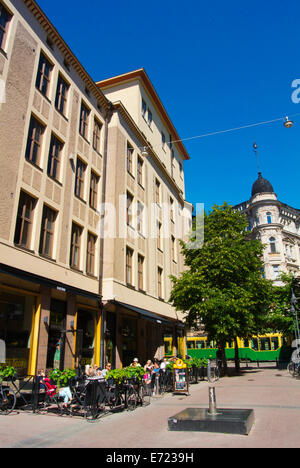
(222, 286)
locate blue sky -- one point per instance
(215, 65)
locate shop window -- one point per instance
(86, 323)
(15, 329)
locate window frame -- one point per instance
(45, 231)
(84, 120)
(97, 135)
(42, 77)
(75, 250)
(80, 170)
(24, 222)
(128, 268)
(33, 145)
(141, 279)
(54, 157)
(4, 29)
(93, 197)
(60, 97)
(91, 253)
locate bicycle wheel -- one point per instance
(7, 400)
(131, 399)
(214, 374)
(145, 395)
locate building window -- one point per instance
(272, 242)
(159, 239)
(129, 275)
(172, 211)
(159, 282)
(129, 159)
(129, 216)
(144, 108)
(157, 192)
(96, 135)
(269, 218)
(24, 220)
(47, 232)
(34, 141)
(84, 121)
(172, 164)
(5, 18)
(61, 95)
(90, 254)
(54, 157)
(94, 190)
(140, 171)
(276, 272)
(173, 249)
(75, 246)
(43, 75)
(141, 272)
(140, 218)
(163, 141)
(79, 178)
(149, 118)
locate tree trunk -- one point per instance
(236, 356)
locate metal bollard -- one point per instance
(212, 401)
(208, 370)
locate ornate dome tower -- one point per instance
(261, 185)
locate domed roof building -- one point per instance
(277, 225)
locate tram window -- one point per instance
(212, 344)
(200, 344)
(275, 342)
(191, 344)
(246, 344)
(230, 344)
(265, 344)
(254, 344)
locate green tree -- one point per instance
(222, 287)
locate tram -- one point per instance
(268, 347)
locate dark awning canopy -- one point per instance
(147, 314)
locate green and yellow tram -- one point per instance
(269, 347)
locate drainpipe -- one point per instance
(108, 116)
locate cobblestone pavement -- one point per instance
(273, 395)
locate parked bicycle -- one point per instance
(8, 399)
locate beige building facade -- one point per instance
(74, 276)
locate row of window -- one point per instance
(24, 228)
(130, 280)
(43, 80)
(147, 115)
(33, 154)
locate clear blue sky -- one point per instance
(215, 65)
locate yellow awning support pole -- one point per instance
(34, 337)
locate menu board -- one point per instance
(180, 380)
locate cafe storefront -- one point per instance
(44, 325)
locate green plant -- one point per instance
(6, 372)
(61, 378)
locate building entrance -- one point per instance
(56, 338)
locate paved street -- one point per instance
(273, 394)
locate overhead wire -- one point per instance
(224, 131)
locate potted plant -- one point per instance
(7, 373)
